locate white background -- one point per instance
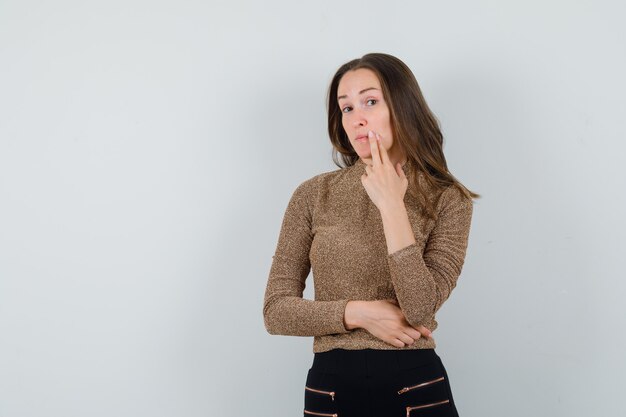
(148, 150)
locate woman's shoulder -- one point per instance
(455, 202)
(454, 194)
(323, 179)
(309, 186)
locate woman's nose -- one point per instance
(359, 121)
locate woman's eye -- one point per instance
(344, 109)
(372, 99)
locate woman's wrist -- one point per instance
(352, 314)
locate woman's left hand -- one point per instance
(385, 183)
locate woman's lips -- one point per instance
(361, 139)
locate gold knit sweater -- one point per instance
(332, 227)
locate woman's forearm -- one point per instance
(397, 227)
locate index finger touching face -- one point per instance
(383, 152)
(374, 148)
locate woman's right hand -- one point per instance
(385, 320)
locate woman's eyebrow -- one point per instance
(360, 92)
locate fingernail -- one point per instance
(370, 134)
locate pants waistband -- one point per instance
(366, 362)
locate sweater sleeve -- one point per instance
(424, 273)
(285, 312)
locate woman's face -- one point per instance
(363, 108)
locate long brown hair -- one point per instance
(414, 127)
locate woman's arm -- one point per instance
(285, 312)
(423, 269)
(424, 272)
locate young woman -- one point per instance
(385, 236)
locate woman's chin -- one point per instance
(364, 153)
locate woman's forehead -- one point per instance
(357, 82)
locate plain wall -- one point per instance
(148, 150)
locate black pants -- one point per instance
(378, 383)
